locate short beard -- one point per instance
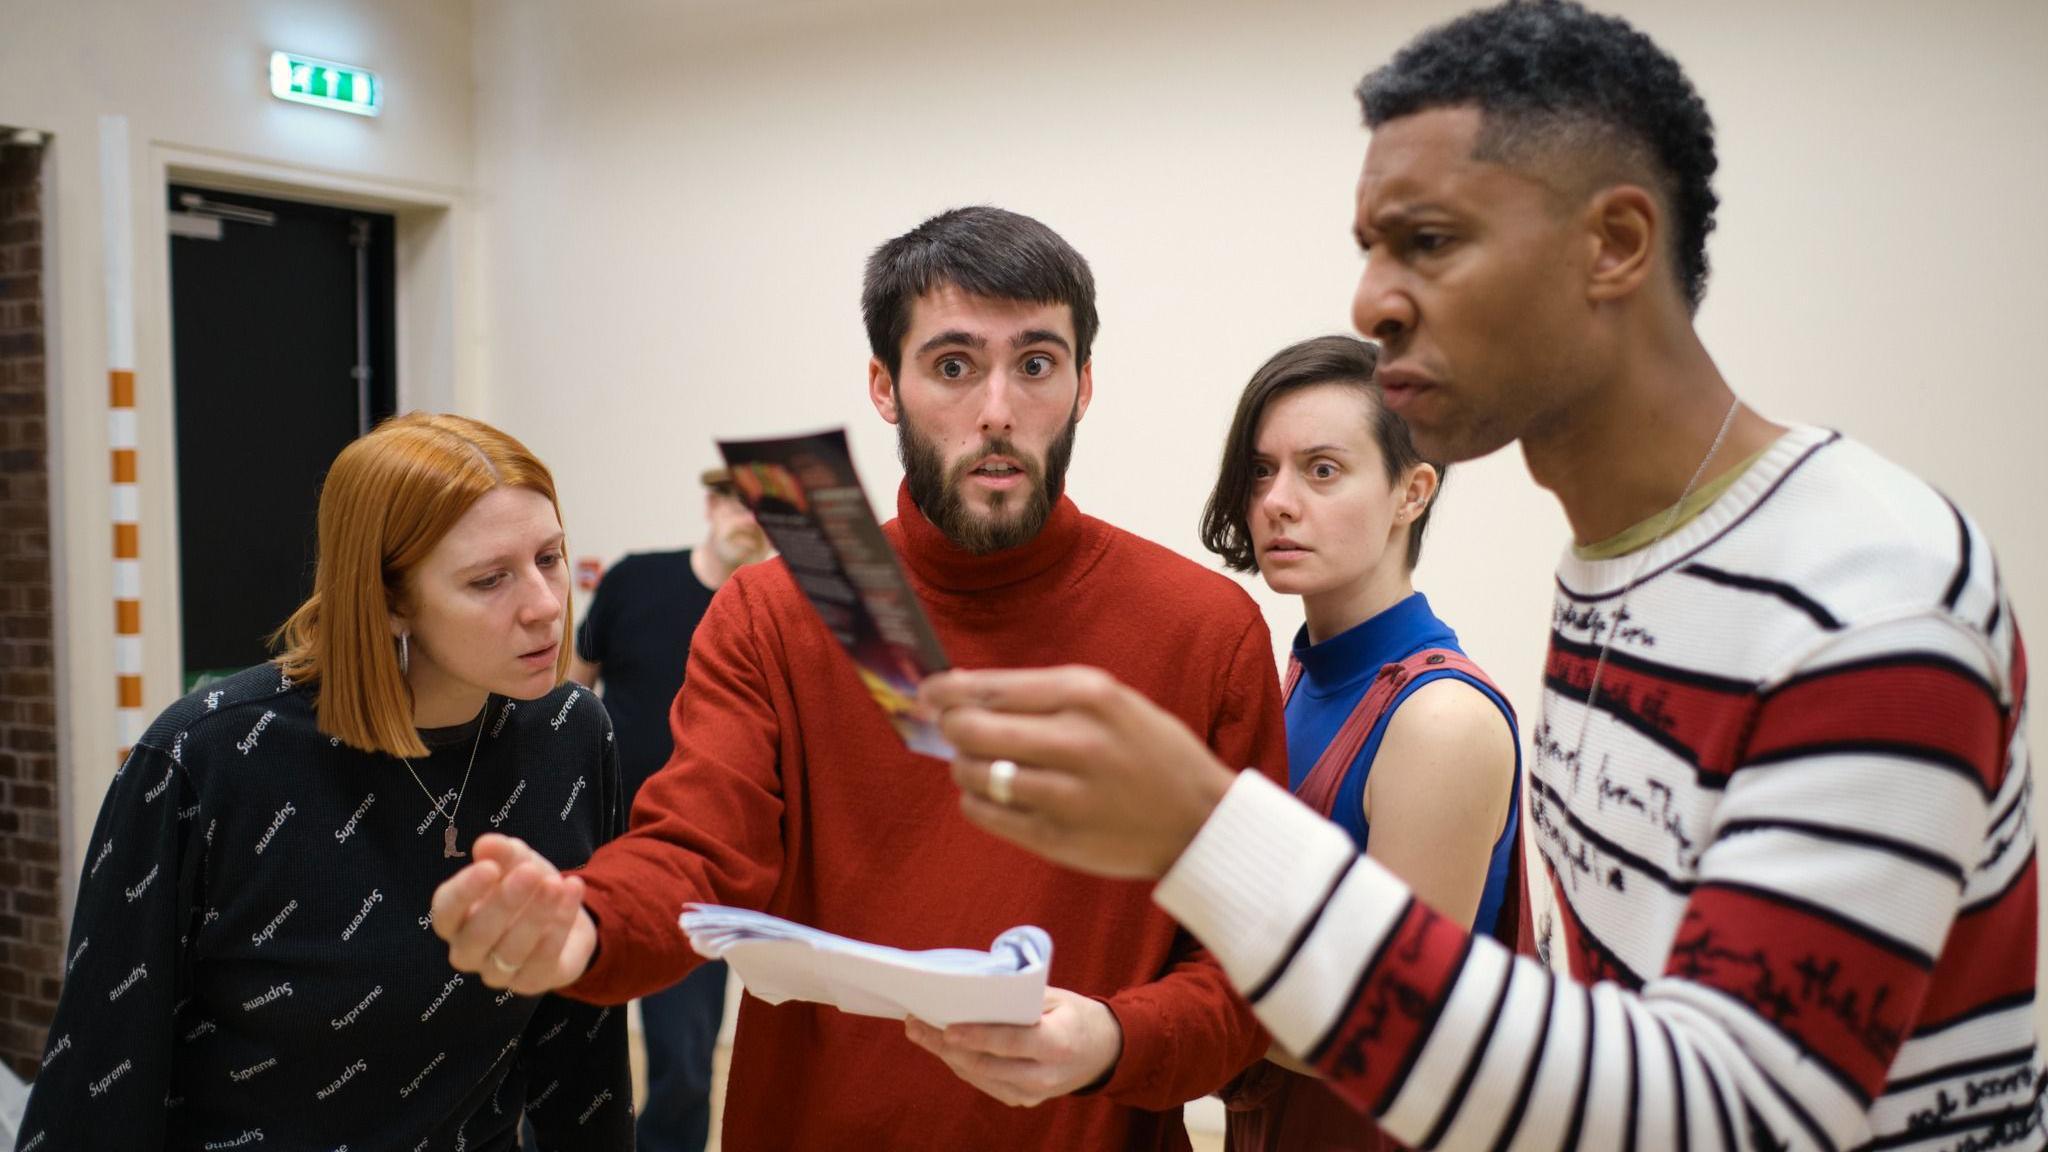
(937, 493)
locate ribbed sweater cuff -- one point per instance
(1253, 877)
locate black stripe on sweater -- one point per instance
(1913, 659)
(2007, 1004)
(1512, 1126)
(1626, 717)
(2019, 873)
(1456, 1099)
(1918, 754)
(1671, 673)
(1805, 1118)
(1725, 1118)
(1321, 1047)
(1864, 932)
(1959, 1070)
(1571, 1133)
(1301, 935)
(1679, 1094)
(2021, 1115)
(1665, 880)
(1635, 1079)
(1965, 546)
(1777, 588)
(1428, 1026)
(1911, 852)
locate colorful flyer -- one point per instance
(806, 497)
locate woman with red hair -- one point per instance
(252, 959)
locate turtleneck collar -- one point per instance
(1360, 651)
(938, 563)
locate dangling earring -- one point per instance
(404, 654)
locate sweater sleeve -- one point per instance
(1187, 1033)
(706, 828)
(1802, 961)
(106, 1079)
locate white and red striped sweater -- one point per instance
(1788, 884)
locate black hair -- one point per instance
(1346, 360)
(983, 251)
(1549, 72)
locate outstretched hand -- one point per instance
(514, 920)
(1106, 781)
(1072, 1045)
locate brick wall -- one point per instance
(31, 928)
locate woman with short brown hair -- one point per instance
(252, 959)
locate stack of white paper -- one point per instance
(779, 960)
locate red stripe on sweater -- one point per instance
(2019, 681)
(1590, 960)
(1989, 956)
(1847, 1001)
(1395, 1006)
(1932, 707)
(1706, 722)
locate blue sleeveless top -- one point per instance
(1334, 677)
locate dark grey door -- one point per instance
(282, 319)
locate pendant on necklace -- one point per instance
(448, 849)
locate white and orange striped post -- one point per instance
(118, 262)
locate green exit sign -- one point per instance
(325, 84)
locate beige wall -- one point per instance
(679, 201)
(191, 79)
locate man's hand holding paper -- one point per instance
(1073, 1045)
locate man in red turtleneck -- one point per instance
(789, 791)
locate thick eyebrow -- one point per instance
(505, 559)
(1304, 453)
(1041, 336)
(952, 337)
(1401, 216)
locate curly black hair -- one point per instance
(1541, 71)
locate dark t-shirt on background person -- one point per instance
(638, 630)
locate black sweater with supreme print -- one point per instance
(252, 962)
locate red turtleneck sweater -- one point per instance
(789, 792)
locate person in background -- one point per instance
(251, 959)
(633, 645)
(1391, 732)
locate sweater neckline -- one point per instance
(1358, 652)
(938, 563)
(1601, 579)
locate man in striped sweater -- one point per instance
(1779, 795)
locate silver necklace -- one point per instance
(448, 849)
(1621, 608)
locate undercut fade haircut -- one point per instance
(1549, 75)
(982, 251)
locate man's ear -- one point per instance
(882, 390)
(1624, 227)
(1086, 391)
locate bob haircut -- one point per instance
(388, 500)
(1345, 360)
